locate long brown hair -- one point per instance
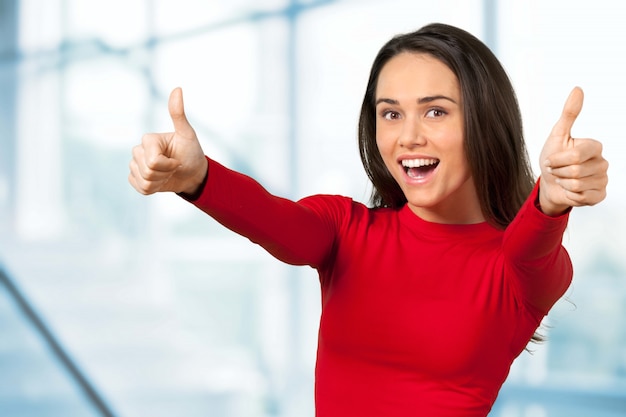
(493, 137)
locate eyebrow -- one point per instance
(420, 100)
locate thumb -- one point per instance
(571, 110)
(177, 113)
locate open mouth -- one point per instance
(419, 168)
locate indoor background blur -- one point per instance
(116, 304)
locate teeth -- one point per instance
(416, 163)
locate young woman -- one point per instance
(430, 294)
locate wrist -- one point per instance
(551, 209)
(197, 184)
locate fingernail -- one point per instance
(546, 163)
(558, 181)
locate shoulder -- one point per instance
(342, 210)
(332, 204)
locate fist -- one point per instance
(172, 161)
(573, 171)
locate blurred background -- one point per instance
(117, 304)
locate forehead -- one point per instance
(416, 74)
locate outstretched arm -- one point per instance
(174, 161)
(573, 173)
(536, 262)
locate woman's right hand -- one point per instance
(172, 161)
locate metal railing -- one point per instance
(56, 347)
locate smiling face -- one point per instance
(419, 134)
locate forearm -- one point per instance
(288, 230)
(549, 208)
(533, 233)
(534, 255)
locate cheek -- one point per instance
(453, 144)
(386, 153)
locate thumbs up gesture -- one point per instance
(573, 171)
(172, 161)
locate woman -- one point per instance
(429, 295)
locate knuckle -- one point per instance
(145, 188)
(149, 174)
(604, 165)
(599, 146)
(574, 185)
(578, 199)
(589, 198)
(149, 166)
(137, 151)
(575, 171)
(576, 155)
(138, 185)
(151, 162)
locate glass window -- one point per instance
(169, 313)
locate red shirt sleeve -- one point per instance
(291, 231)
(535, 258)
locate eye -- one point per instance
(435, 113)
(390, 115)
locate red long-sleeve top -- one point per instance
(418, 318)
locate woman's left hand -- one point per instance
(573, 171)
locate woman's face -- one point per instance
(419, 134)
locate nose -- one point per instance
(411, 135)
